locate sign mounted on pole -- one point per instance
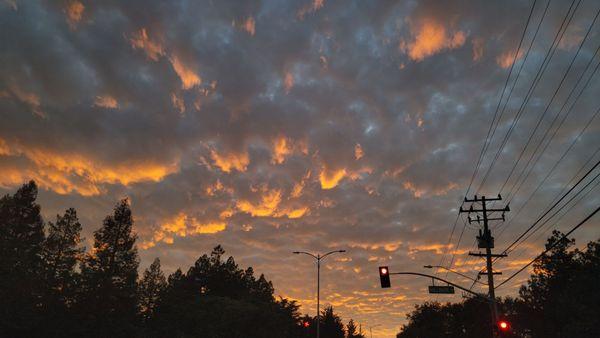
(445, 289)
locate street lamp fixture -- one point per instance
(318, 258)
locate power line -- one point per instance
(558, 219)
(575, 140)
(512, 191)
(488, 137)
(541, 70)
(550, 209)
(550, 247)
(559, 112)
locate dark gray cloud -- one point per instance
(238, 123)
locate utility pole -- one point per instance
(486, 241)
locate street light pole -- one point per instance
(318, 257)
(371, 329)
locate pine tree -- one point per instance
(21, 264)
(109, 274)
(62, 252)
(331, 324)
(151, 287)
(351, 330)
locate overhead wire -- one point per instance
(550, 247)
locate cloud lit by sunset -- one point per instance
(311, 125)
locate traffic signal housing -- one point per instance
(384, 277)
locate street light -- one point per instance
(318, 257)
(456, 272)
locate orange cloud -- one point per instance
(299, 186)
(288, 82)
(269, 206)
(477, 49)
(140, 40)
(281, 149)
(412, 188)
(28, 98)
(187, 76)
(249, 26)
(214, 188)
(178, 103)
(106, 102)
(358, 152)
(266, 207)
(230, 161)
(74, 12)
(330, 178)
(314, 6)
(182, 225)
(65, 173)
(505, 59)
(429, 38)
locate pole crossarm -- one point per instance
(442, 280)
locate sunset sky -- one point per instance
(275, 126)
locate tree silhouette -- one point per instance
(61, 252)
(21, 263)
(557, 301)
(352, 330)
(331, 324)
(109, 276)
(151, 287)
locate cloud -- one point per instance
(288, 82)
(331, 178)
(74, 11)
(230, 161)
(67, 173)
(505, 60)
(106, 101)
(430, 37)
(267, 206)
(314, 6)
(153, 49)
(249, 25)
(28, 98)
(182, 225)
(358, 152)
(188, 77)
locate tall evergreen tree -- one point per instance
(21, 264)
(352, 330)
(331, 324)
(151, 287)
(62, 252)
(109, 273)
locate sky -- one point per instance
(275, 126)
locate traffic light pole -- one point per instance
(441, 280)
(485, 240)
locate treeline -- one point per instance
(559, 300)
(50, 286)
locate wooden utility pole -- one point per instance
(486, 241)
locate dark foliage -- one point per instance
(50, 287)
(559, 300)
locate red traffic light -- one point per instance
(503, 325)
(384, 276)
(306, 324)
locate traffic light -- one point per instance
(306, 324)
(384, 276)
(503, 325)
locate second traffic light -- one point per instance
(384, 276)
